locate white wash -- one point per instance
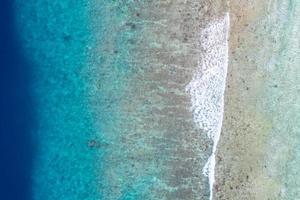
(208, 85)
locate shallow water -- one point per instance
(281, 97)
(258, 153)
(114, 118)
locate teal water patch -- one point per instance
(110, 70)
(82, 56)
(281, 100)
(56, 36)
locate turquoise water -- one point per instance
(81, 54)
(56, 36)
(110, 124)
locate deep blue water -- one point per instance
(16, 111)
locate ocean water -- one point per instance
(55, 37)
(17, 118)
(114, 119)
(123, 100)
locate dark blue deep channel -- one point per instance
(16, 112)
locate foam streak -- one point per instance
(208, 86)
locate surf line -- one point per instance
(207, 86)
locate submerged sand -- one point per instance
(255, 143)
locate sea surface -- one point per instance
(113, 97)
(124, 100)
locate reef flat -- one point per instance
(257, 153)
(155, 149)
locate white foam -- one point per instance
(208, 85)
